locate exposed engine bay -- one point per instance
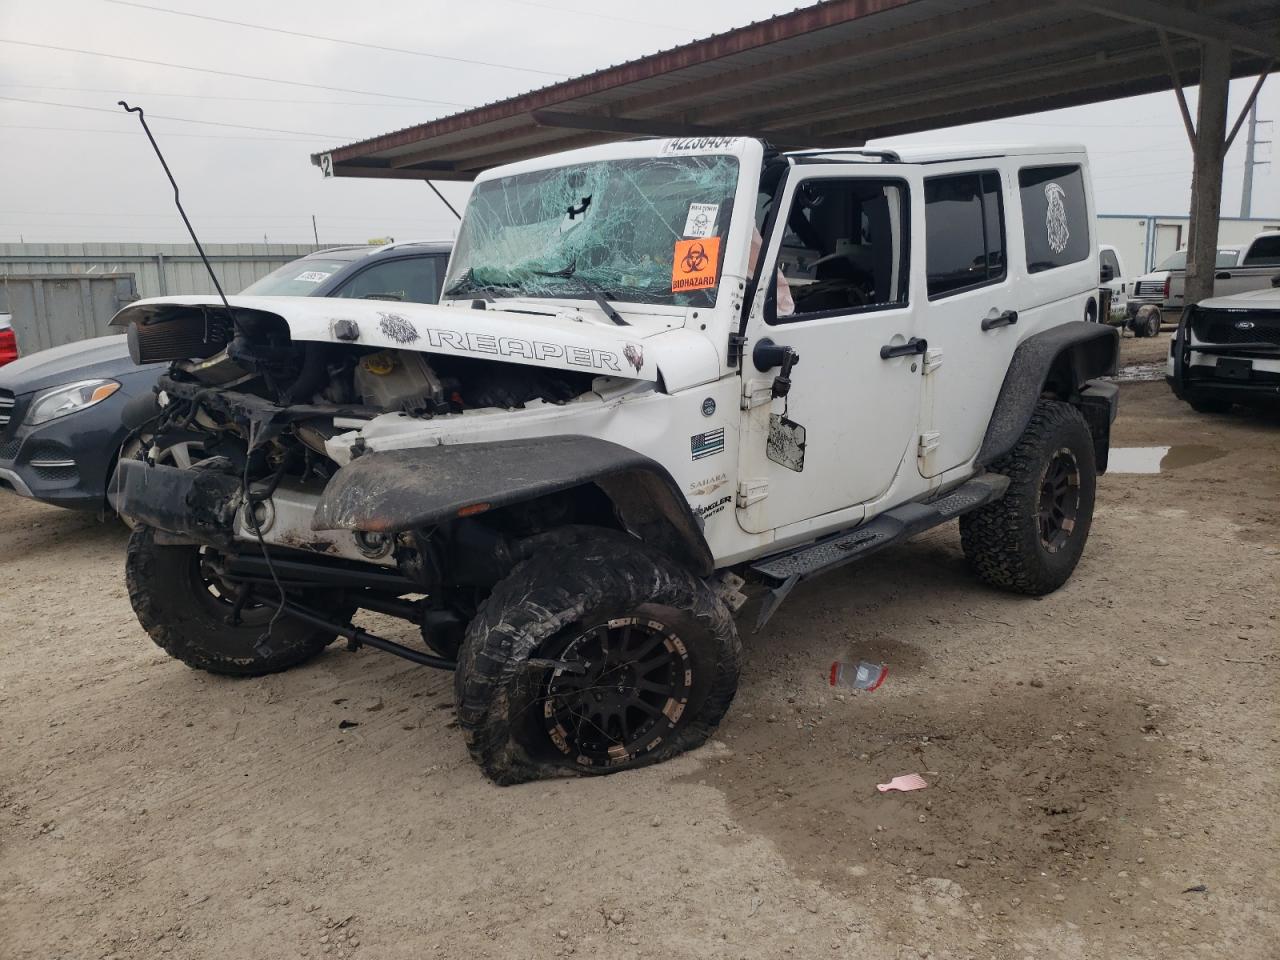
(252, 414)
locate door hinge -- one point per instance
(752, 491)
(932, 361)
(756, 392)
(929, 443)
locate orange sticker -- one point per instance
(695, 265)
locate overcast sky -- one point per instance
(69, 174)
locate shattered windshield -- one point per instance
(645, 230)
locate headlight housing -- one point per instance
(60, 401)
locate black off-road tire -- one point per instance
(559, 602)
(189, 623)
(1209, 404)
(1005, 541)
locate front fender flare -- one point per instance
(394, 490)
(1059, 361)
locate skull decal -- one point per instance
(1055, 218)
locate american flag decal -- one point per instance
(707, 444)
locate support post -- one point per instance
(1206, 199)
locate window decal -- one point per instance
(1055, 218)
(695, 264)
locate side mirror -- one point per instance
(1106, 274)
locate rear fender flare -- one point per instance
(1057, 362)
(397, 490)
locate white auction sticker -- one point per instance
(701, 221)
(312, 276)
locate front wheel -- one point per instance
(593, 658)
(1031, 539)
(187, 609)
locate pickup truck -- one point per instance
(1238, 270)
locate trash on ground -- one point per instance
(908, 781)
(1198, 888)
(865, 676)
(347, 724)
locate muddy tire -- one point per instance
(1209, 404)
(1030, 540)
(657, 652)
(1146, 323)
(186, 614)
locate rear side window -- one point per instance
(411, 280)
(1055, 217)
(1265, 251)
(964, 226)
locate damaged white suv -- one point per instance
(658, 369)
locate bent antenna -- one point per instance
(178, 202)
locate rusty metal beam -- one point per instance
(992, 84)
(1176, 76)
(938, 29)
(661, 128)
(1189, 23)
(1248, 105)
(945, 100)
(754, 36)
(959, 62)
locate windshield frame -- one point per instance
(728, 228)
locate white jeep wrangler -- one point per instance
(658, 369)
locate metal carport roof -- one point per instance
(840, 73)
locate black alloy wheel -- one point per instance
(636, 682)
(1059, 499)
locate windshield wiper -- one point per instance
(467, 283)
(598, 293)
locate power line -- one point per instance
(158, 116)
(228, 73)
(316, 36)
(598, 16)
(130, 133)
(204, 96)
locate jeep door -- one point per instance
(836, 291)
(969, 314)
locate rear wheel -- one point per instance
(191, 613)
(594, 658)
(1031, 539)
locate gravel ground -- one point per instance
(1101, 765)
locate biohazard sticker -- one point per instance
(695, 264)
(701, 221)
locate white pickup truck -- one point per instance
(1237, 270)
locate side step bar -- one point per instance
(784, 570)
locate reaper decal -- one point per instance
(1055, 218)
(397, 328)
(634, 354)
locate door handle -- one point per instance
(1006, 319)
(1222, 276)
(915, 345)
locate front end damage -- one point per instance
(283, 496)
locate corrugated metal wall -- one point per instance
(159, 269)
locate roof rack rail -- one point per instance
(833, 153)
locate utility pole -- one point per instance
(316, 233)
(1251, 147)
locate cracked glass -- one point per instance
(613, 225)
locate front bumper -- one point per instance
(1220, 371)
(63, 462)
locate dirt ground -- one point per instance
(1102, 765)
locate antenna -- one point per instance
(436, 191)
(178, 202)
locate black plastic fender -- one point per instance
(394, 490)
(1060, 362)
